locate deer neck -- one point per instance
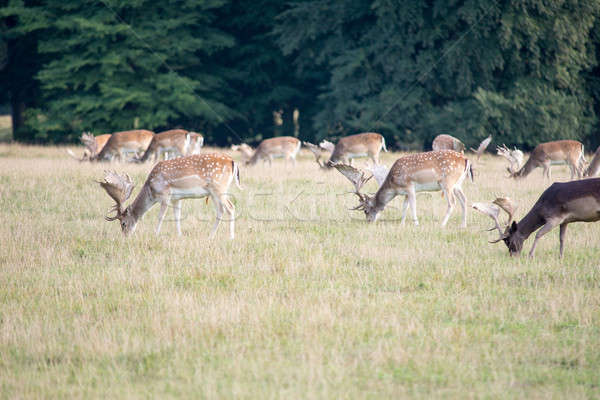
(383, 196)
(530, 223)
(142, 203)
(526, 169)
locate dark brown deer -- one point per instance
(559, 205)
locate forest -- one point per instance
(524, 71)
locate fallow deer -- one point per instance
(175, 141)
(196, 143)
(360, 145)
(447, 142)
(121, 143)
(568, 152)
(93, 144)
(286, 147)
(245, 150)
(559, 205)
(443, 170)
(171, 181)
(594, 168)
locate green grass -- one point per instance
(307, 302)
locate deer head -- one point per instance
(119, 188)
(358, 179)
(317, 152)
(509, 234)
(89, 141)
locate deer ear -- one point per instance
(513, 227)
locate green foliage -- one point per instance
(522, 71)
(469, 68)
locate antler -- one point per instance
(89, 141)
(379, 171)
(317, 152)
(482, 146)
(508, 206)
(514, 157)
(491, 211)
(119, 188)
(354, 175)
(327, 146)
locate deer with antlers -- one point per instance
(93, 144)
(121, 143)
(594, 168)
(443, 170)
(559, 205)
(568, 152)
(360, 145)
(447, 142)
(171, 181)
(285, 147)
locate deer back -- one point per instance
(447, 142)
(361, 143)
(137, 139)
(446, 166)
(213, 171)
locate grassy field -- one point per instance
(307, 302)
(5, 128)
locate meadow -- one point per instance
(309, 301)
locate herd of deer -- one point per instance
(195, 175)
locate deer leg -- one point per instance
(404, 208)
(543, 230)
(463, 204)
(161, 214)
(563, 231)
(219, 211)
(450, 200)
(270, 160)
(546, 172)
(177, 215)
(231, 211)
(412, 200)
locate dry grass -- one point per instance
(308, 302)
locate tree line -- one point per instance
(523, 71)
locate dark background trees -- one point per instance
(523, 71)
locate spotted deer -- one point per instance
(443, 170)
(121, 143)
(171, 181)
(559, 205)
(544, 155)
(196, 143)
(447, 142)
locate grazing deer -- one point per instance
(482, 146)
(443, 170)
(568, 152)
(559, 205)
(93, 144)
(121, 143)
(594, 168)
(245, 150)
(447, 142)
(196, 143)
(176, 141)
(286, 147)
(349, 147)
(514, 157)
(171, 181)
